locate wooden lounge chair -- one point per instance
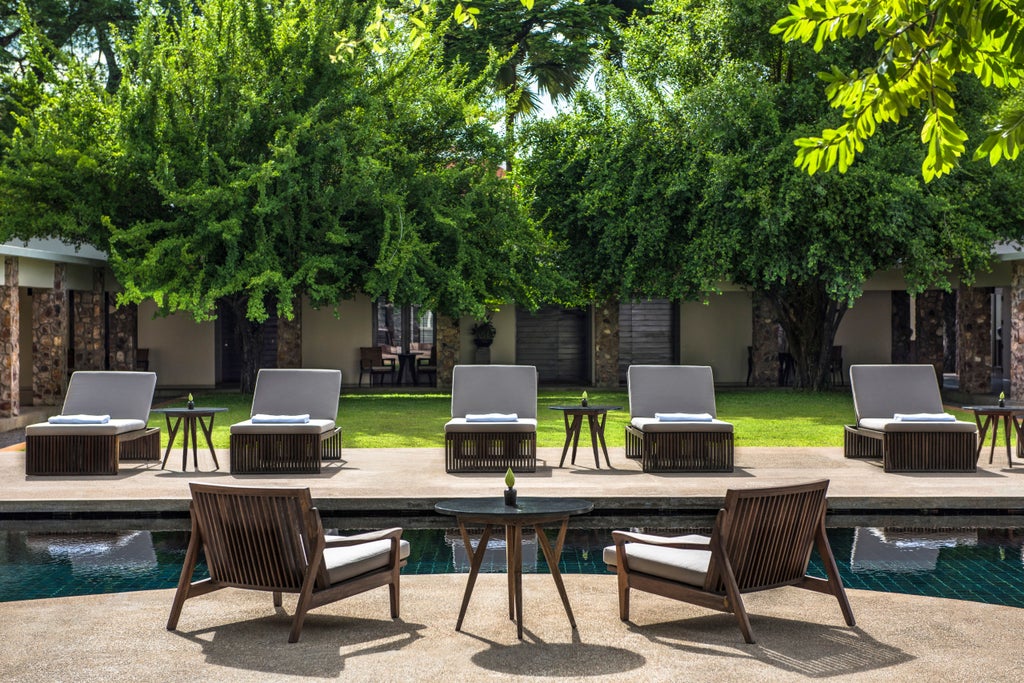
(481, 446)
(259, 447)
(880, 392)
(272, 539)
(373, 363)
(665, 445)
(762, 539)
(73, 449)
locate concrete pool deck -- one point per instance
(236, 635)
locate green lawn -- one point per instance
(763, 417)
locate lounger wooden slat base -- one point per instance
(914, 451)
(680, 451)
(283, 453)
(490, 451)
(91, 454)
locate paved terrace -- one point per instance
(237, 635)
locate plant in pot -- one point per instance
(583, 400)
(510, 492)
(483, 333)
(1002, 399)
(191, 404)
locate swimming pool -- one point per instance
(981, 565)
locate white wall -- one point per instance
(331, 339)
(717, 334)
(865, 332)
(181, 351)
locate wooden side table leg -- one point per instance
(208, 433)
(514, 549)
(982, 430)
(995, 437)
(195, 444)
(184, 445)
(475, 560)
(592, 423)
(568, 437)
(577, 426)
(552, 555)
(171, 433)
(1006, 436)
(600, 436)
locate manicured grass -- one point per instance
(762, 417)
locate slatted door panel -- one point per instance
(555, 341)
(647, 334)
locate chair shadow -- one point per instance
(809, 649)
(573, 659)
(261, 644)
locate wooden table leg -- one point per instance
(995, 437)
(514, 561)
(600, 436)
(592, 423)
(195, 444)
(208, 433)
(1006, 436)
(982, 430)
(568, 437)
(171, 433)
(577, 426)
(553, 555)
(476, 559)
(184, 445)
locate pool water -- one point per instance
(981, 565)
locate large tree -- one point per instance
(680, 177)
(245, 160)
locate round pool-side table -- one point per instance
(596, 417)
(535, 512)
(992, 415)
(190, 417)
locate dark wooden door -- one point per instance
(648, 334)
(555, 340)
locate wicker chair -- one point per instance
(882, 391)
(472, 446)
(289, 448)
(670, 446)
(762, 539)
(74, 449)
(272, 539)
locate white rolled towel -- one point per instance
(260, 418)
(923, 417)
(493, 417)
(683, 417)
(79, 419)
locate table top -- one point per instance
(526, 507)
(996, 409)
(582, 408)
(189, 411)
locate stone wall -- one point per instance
(289, 339)
(606, 344)
(10, 351)
(901, 330)
(764, 371)
(50, 340)
(930, 329)
(89, 326)
(123, 333)
(974, 339)
(447, 342)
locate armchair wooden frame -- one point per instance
(272, 539)
(762, 539)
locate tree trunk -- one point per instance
(250, 335)
(809, 319)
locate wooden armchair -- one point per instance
(762, 539)
(272, 539)
(373, 363)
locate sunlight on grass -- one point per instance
(762, 417)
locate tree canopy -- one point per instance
(920, 47)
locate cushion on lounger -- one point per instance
(461, 424)
(649, 424)
(351, 561)
(294, 391)
(481, 389)
(670, 389)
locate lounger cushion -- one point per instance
(351, 561)
(293, 392)
(649, 424)
(311, 427)
(125, 395)
(890, 425)
(670, 389)
(114, 426)
(460, 424)
(881, 391)
(494, 389)
(674, 564)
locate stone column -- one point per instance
(1015, 332)
(10, 350)
(606, 344)
(50, 340)
(974, 339)
(123, 331)
(289, 338)
(447, 342)
(901, 331)
(89, 333)
(764, 352)
(930, 330)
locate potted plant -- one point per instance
(510, 492)
(1002, 399)
(191, 404)
(583, 400)
(483, 333)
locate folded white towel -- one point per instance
(79, 419)
(493, 417)
(683, 417)
(923, 417)
(283, 419)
